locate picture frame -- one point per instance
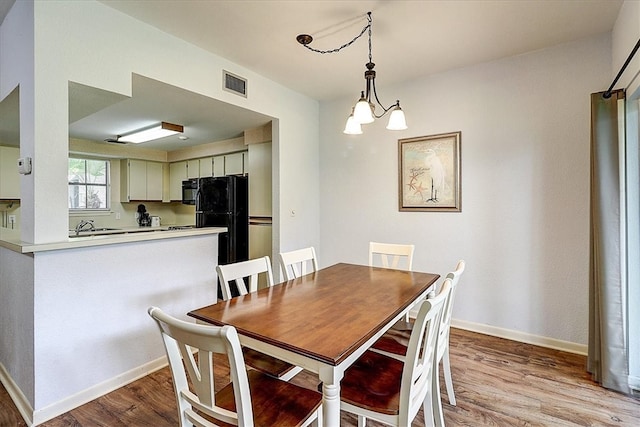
(430, 173)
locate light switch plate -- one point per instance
(24, 165)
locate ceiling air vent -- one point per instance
(235, 84)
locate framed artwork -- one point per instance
(429, 174)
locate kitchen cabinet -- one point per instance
(9, 176)
(258, 167)
(193, 168)
(218, 166)
(224, 164)
(154, 181)
(259, 170)
(140, 180)
(177, 174)
(206, 167)
(233, 164)
(260, 239)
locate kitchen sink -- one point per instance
(96, 232)
(107, 231)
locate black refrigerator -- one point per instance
(224, 202)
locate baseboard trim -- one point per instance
(72, 402)
(634, 383)
(19, 399)
(509, 334)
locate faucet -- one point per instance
(84, 223)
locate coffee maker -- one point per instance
(144, 220)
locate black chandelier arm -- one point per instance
(305, 39)
(385, 110)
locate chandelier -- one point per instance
(364, 110)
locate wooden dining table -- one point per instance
(322, 321)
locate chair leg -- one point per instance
(362, 421)
(427, 406)
(446, 366)
(438, 414)
(317, 422)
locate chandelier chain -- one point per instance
(369, 25)
(349, 43)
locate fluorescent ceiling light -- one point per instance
(155, 132)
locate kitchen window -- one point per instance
(88, 184)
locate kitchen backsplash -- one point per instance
(174, 213)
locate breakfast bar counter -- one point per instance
(63, 301)
(10, 239)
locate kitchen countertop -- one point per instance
(10, 239)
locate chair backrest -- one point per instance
(390, 254)
(298, 263)
(238, 271)
(445, 323)
(180, 340)
(420, 360)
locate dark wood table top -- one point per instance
(324, 315)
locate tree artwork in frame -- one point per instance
(430, 173)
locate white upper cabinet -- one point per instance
(224, 164)
(218, 166)
(206, 167)
(177, 174)
(154, 181)
(9, 176)
(193, 168)
(140, 180)
(233, 164)
(259, 169)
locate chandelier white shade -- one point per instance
(363, 111)
(397, 120)
(352, 127)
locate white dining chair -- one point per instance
(298, 263)
(394, 342)
(392, 391)
(251, 398)
(237, 273)
(389, 255)
(445, 327)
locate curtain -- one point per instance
(607, 359)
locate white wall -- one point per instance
(16, 270)
(16, 69)
(90, 320)
(45, 45)
(16, 321)
(523, 229)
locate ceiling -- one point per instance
(410, 39)
(97, 115)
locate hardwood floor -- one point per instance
(497, 383)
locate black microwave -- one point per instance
(189, 191)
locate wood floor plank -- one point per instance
(497, 383)
(9, 415)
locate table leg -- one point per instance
(331, 404)
(330, 378)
